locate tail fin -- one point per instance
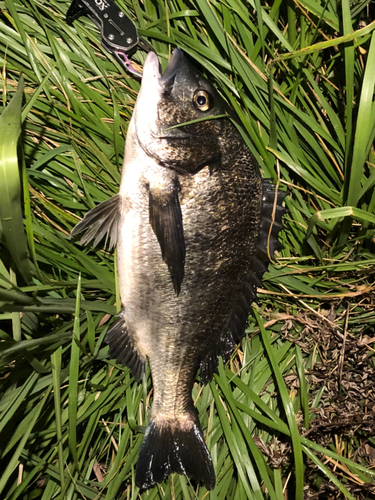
(174, 446)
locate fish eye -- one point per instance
(202, 100)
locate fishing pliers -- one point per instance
(119, 35)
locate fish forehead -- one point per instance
(170, 91)
(187, 79)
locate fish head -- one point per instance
(166, 102)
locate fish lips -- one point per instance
(177, 60)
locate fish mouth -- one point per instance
(178, 135)
(165, 81)
(152, 68)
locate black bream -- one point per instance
(193, 228)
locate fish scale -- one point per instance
(195, 227)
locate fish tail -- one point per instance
(174, 446)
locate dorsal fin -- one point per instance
(166, 221)
(267, 243)
(99, 222)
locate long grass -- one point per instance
(301, 77)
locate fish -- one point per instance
(195, 227)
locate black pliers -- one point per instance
(119, 34)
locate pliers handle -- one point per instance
(118, 33)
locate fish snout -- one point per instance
(151, 67)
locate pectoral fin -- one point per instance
(99, 222)
(166, 221)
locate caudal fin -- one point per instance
(176, 446)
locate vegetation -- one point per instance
(293, 415)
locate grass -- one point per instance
(292, 413)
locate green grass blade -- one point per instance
(290, 415)
(10, 199)
(73, 378)
(329, 474)
(364, 132)
(349, 76)
(15, 459)
(329, 43)
(339, 213)
(56, 372)
(77, 104)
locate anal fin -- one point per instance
(99, 222)
(224, 348)
(123, 349)
(166, 221)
